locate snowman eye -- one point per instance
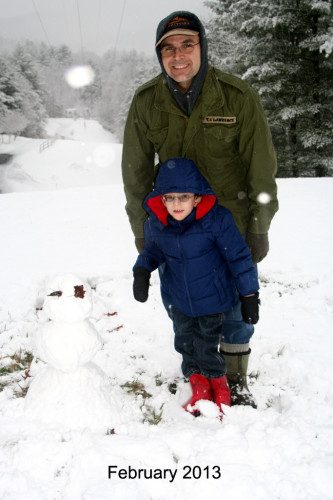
(55, 294)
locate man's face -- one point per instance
(182, 68)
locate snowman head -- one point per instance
(68, 300)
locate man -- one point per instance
(196, 111)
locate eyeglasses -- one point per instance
(182, 198)
(184, 48)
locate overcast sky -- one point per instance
(96, 25)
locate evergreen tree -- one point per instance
(13, 123)
(52, 65)
(91, 94)
(284, 49)
(146, 68)
(12, 120)
(34, 83)
(32, 105)
(7, 88)
(121, 76)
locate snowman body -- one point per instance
(67, 346)
(71, 389)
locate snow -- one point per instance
(62, 211)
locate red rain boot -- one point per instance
(221, 392)
(201, 389)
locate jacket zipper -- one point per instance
(185, 269)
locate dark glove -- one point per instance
(258, 245)
(250, 308)
(139, 243)
(141, 284)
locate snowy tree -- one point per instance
(43, 90)
(52, 64)
(121, 75)
(12, 120)
(90, 94)
(284, 48)
(9, 91)
(146, 69)
(32, 105)
(13, 123)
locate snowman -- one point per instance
(71, 389)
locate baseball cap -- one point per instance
(179, 25)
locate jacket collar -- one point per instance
(210, 97)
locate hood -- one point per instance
(179, 175)
(186, 101)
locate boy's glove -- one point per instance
(258, 245)
(250, 308)
(141, 284)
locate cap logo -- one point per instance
(178, 21)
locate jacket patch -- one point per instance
(219, 119)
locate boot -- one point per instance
(236, 374)
(200, 389)
(221, 391)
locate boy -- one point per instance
(204, 264)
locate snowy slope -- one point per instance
(75, 153)
(54, 222)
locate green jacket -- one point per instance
(226, 135)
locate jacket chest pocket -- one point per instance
(220, 139)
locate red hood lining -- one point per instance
(157, 207)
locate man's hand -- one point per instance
(139, 243)
(258, 245)
(141, 284)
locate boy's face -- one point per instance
(180, 205)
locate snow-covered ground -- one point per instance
(62, 210)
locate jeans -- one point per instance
(234, 337)
(197, 340)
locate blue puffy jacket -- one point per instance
(205, 256)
